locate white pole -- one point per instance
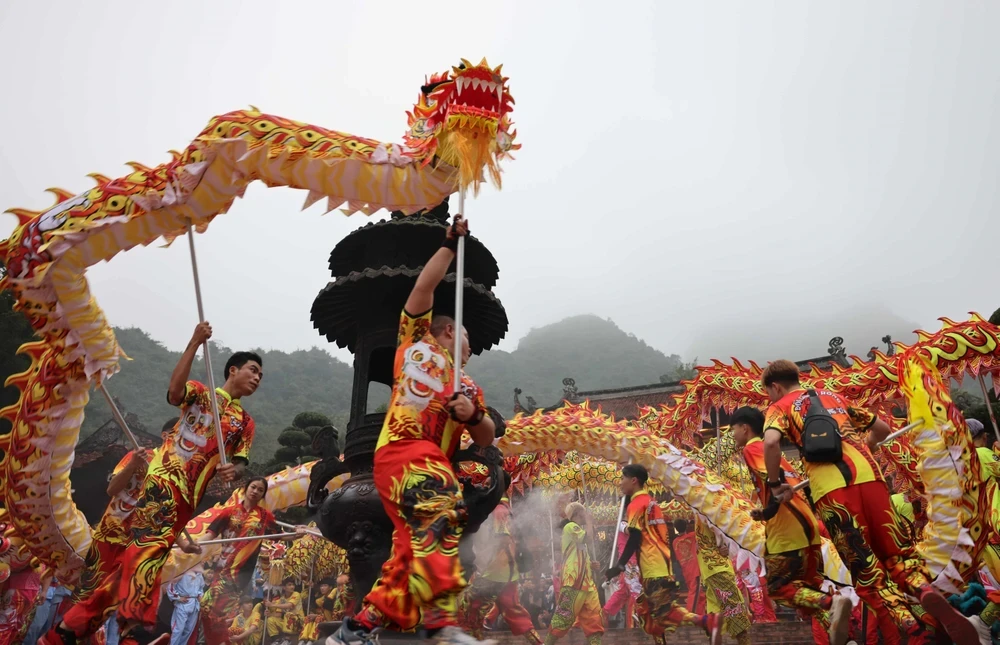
(459, 294)
(614, 544)
(552, 541)
(223, 459)
(272, 536)
(899, 433)
(310, 531)
(117, 414)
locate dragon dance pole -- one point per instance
(459, 293)
(986, 399)
(552, 543)
(117, 414)
(208, 358)
(614, 542)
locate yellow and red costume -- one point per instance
(95, 597)
(286, 622)
(578, 603)
(241, 624)
(422, 580)
(657, 606)
(793, 557)
(852, 499)
(221, 602)
(497, 584)
(173, 487)
(722, 593)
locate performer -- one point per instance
(186, 596)
(721, 591)
(95, 596)
(174, 485)
(246, 519)
(284, 615)
(245, 628)
(658, 609)
(578, 603)
(629, 586)
(421, 582)
(497, 584)
(851, 498)
(686, 551)
(793, 545)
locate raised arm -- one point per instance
(120, 480)
(179, 377)
(422, 297)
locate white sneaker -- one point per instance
(985, 638)
(452, 635)
(840, 620)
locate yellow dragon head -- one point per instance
(462, 117)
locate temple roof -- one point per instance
(625, 402)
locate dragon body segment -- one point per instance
(959, 502)
(459, 126)
(967, 347)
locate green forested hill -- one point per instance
(305, 380)
(593, 351)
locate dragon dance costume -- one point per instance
(421, 582)
(686, 551)
(658, 609)
(221, 602)
(173, 487)
(578, 602)
(497, 585)
(287, 622)
(95, 596)
(793, 556)
(721, 591)
(629, 586)
(852, 499)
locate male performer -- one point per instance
(498, 583)
(95, 596)
(175, 482)
(793, 546)
(658, 609)
(852, 500)
(421, 582)
(578, 603)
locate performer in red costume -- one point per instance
(220, 604)
(175, 482)
(497, 584)
(422, 580)
(659, 611)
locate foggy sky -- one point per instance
(704, 175)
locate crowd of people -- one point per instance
(423, 586)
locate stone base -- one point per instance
(782, 633)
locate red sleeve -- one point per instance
(221, 522)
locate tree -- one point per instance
(973, 407)
(296, 441)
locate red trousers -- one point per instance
(127, 578)
(482, 594)
(622, 598)
(875, 546)
(97, 594)
(422, 579)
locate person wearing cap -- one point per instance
(988, 464)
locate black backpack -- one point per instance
(821, 440)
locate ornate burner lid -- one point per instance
(408, 241)
(350, 302)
